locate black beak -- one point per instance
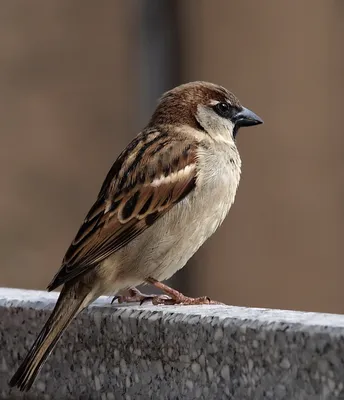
(246, 117)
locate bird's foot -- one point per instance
(135, 296)
(175, 297)
(183, 300)
(171, 297)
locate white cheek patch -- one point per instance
(228, 125)
(174, 177)
(220, 129)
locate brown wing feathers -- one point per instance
(149, 177)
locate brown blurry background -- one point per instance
(79, 80)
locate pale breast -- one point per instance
(179, 234)
(167, 245)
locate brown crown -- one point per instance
(179, 105)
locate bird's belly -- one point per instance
(182, 244)
(167, 245)
(180, 233)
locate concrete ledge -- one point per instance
(163, 352)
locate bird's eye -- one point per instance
(223, 109)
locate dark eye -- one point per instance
(223, 109)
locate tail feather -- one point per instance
(59, 320)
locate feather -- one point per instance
(150, 176)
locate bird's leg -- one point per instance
(176, 297)
(171, 297)
(135, 296)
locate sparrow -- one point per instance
(165, 195)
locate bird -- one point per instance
(164, 196)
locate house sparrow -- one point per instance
(165, 195)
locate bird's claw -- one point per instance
(186, 301)
(135, 296)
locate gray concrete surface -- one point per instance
(168, 352)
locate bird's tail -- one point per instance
(67, 306)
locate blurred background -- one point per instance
(78, 81)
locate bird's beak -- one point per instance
(246, 117)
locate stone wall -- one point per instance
(184, 352)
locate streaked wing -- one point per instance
(151, 175)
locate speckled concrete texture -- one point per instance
(167, 352)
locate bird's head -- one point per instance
(206, 107)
